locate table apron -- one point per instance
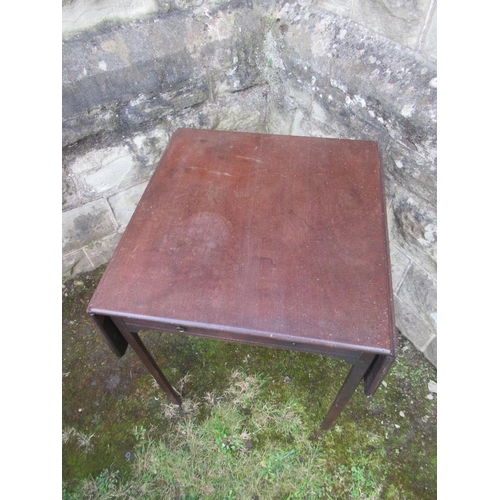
(351, 357)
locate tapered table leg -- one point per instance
(354, 377)
(140, 349)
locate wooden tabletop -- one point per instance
(260, 235)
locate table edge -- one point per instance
(173, 322)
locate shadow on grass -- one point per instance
(118, 428)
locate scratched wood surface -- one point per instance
(270, 235)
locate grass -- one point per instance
(248, 427)
(245, 447)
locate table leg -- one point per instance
(140, 349)
(354, 377)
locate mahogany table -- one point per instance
(271, 240)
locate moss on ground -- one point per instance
(380, 447)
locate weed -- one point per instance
(67, 434)
(103, 486)
(84, 440)
(225, 455)
(363, 484)
(183, 382)
(140, 432)
(276, 464)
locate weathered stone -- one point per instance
(411, 325)
(86, 224)
(245, 111)
(92, 122)
(123, 64)
(79, 15)
(361, 74)
(246, 54)
(187, 99)
(417, 174)
(419, 291)
(295, 112)
(104, 170)
(299, 125)
(125, 202)
(431, 351)
(187, 4)
(339, 7)
(146, 71)
(400, 20)
(203, 117)
(390, 185)
(69, 195)
(144, 109)
(99, 252)
(75, 263)
(413, 227)
(399, 265)
(429, 43)
(151, 145)
(107, 87)
(244, 120)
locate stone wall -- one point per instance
(135, 70)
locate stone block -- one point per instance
(399, 20)
(156, 108)
(188, 4)
(151, 145)
(79, 15)
(143, 109)
(243, 111)
(92, 122)
(107, 87)
(299, 126)
(116, 66)
(86, 224)
(318, 113)
(246, 52)
(429, 42)
(106, 170)
(75, 263)
(411, 326)
(413, 227)
(240, 119)
(101, 251)
(430, 351)
(145, 72)
(390, 185)
(399, 265)
(419, 291)
(203, 117)
(125, 202)
(339, 7)
(69, 195)
(278, 123)
(365, 79)
(189, 98)
(416, 173)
